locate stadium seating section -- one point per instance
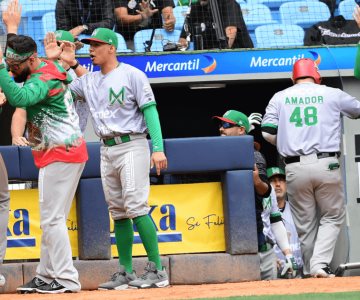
(262, 17)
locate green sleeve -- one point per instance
(357, 63)
(31, 93)
(153, 123)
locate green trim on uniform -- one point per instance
(269, 125)
(357, 63)
(147, 105)
(153, 124)
(275, 217)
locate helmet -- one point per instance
(306, 67)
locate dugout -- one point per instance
(246, 80)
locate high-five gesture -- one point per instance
(12, 16)
(65, 51)
(52, 49)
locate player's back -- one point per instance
(309, 118)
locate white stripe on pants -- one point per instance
(57, 185)
(4, 208)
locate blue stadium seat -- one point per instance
(256, 15)
(31, 19)
(161, 37)
(279, 36)
(304, 13)
(273, 4)
(346, 9)
(48, 22)
(180, 15)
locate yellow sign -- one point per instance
(24, 233)
(189, 218)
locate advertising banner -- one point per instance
(190, 64)
(188, 218)
(24, 233)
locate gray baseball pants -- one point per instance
(317, 204)
(57, 185)
(125, 178)
(268, 265)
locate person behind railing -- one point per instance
(135, 15)
(82, 17)
(270, 229)
(200, 21)
(277, 179)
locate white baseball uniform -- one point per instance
(293, 239)
(307, 120)
(115, 101)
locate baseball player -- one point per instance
(58, 149)
(304, 122)
(270, 228)
(4, 203)
(278, 182)
(123, 110)
(18, 121)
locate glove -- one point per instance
(290, 267)
(254, 118)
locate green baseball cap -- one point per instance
(102, 35)
(235, 117)
(63, 35)
(275, 171)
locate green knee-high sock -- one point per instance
(148, 237)
(124, 235)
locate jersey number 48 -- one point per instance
(301, 115)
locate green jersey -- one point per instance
(53, 125)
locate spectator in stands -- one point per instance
(278, 182)
(201, 22)
(4, 203)
(82, 17)
(270, 229)
(142, 14)
(335, 31)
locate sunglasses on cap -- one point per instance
(227, 125)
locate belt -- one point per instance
(294, 159)
(116, 140)
(265, 247)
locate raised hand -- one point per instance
(12, 16)
(52, 50)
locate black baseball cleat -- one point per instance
(31, 286)
(53, 288)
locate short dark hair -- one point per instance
(22, 44)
